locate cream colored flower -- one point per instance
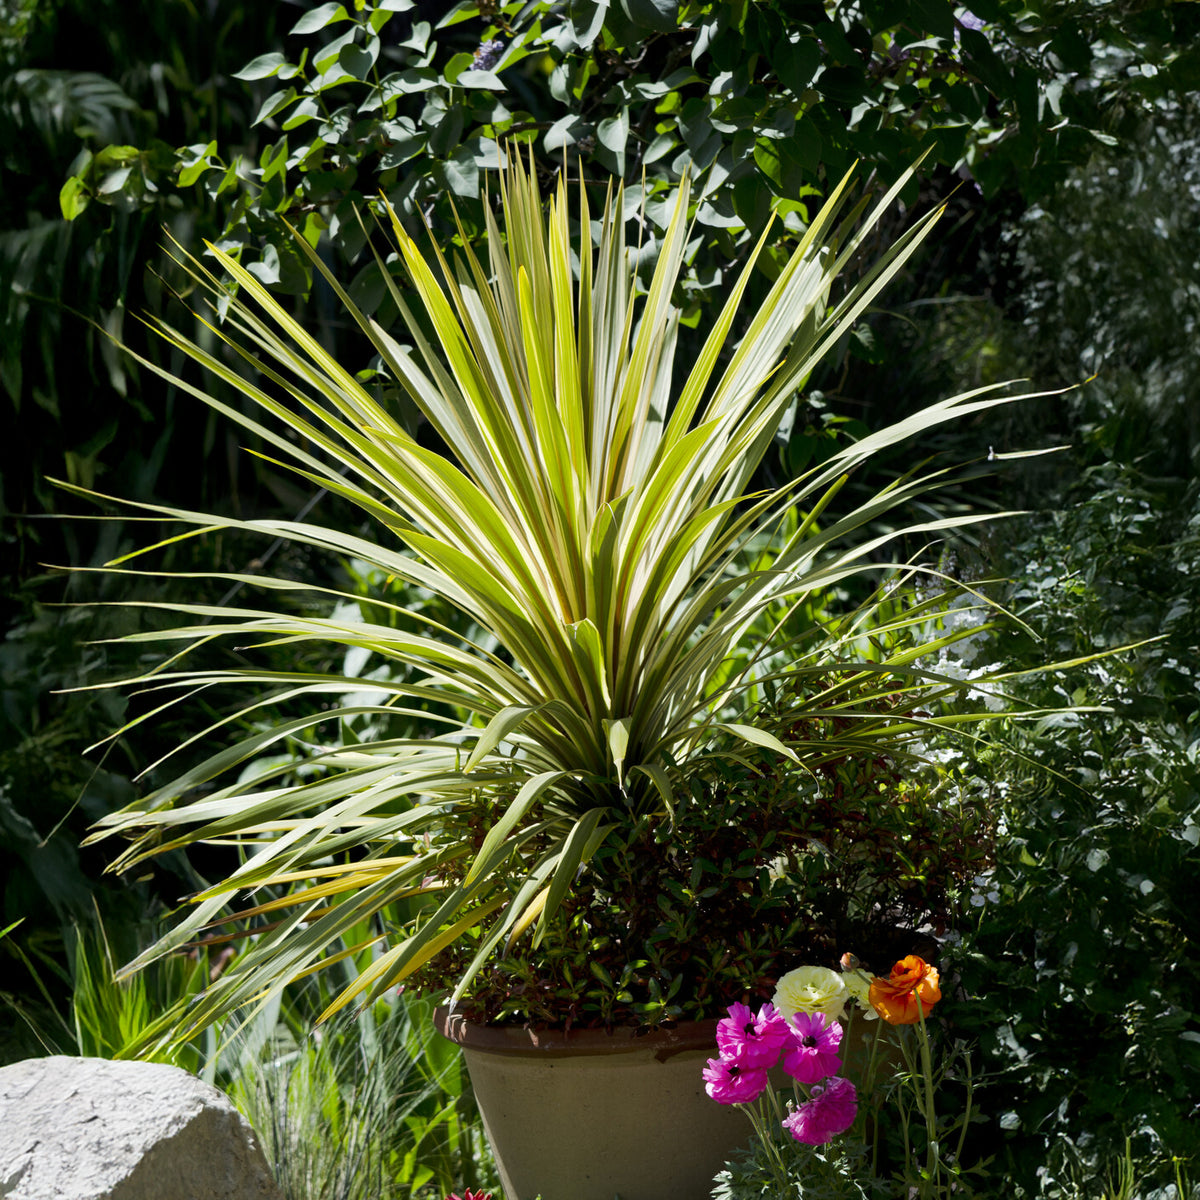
(811, 989)
(860, 988)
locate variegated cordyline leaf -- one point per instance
(591, 519)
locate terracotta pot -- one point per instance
(590, 1115)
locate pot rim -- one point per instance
(521, 1040)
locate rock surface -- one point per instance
(90, 1129)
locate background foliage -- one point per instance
(1080, 968)
(1072, 260)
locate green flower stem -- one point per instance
(765, 1133)
(966, 1117)
(932, 1158)
(903, 1110)
(870, 1090)
(873, 1059)
(920, 1100)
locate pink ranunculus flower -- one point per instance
(728, 1081)
(754, 1041)
(830, 1111)
(812, 1052)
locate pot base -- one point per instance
(592, 1115)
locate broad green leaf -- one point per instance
(482, 79)
(325, 58)
(73, 198)
(660, 16)
(262, 67)
(464, 10)
(319, 18)
(357, 60)
(306, 110)
(267, 271)
(114, 181)
(613, 133)
(461, 174)
(273, 104)
(195, 162)
(445, 135)
(116, 156)
(379, 18)
(457, 64)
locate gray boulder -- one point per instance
(90, 1129)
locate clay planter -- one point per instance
(589, 1115)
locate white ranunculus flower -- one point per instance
(811, 989)
(860, 988)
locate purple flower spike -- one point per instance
(487, 55)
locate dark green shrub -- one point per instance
(773, 864)
(1083, 970)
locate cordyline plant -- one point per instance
(592, 516)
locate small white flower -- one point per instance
(859, 987)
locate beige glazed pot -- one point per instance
(590, 1115)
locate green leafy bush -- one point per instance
(1083, 964)
(768, 863)
(1082, 961)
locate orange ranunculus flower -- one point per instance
(895, 998)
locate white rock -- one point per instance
(90, 1129)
